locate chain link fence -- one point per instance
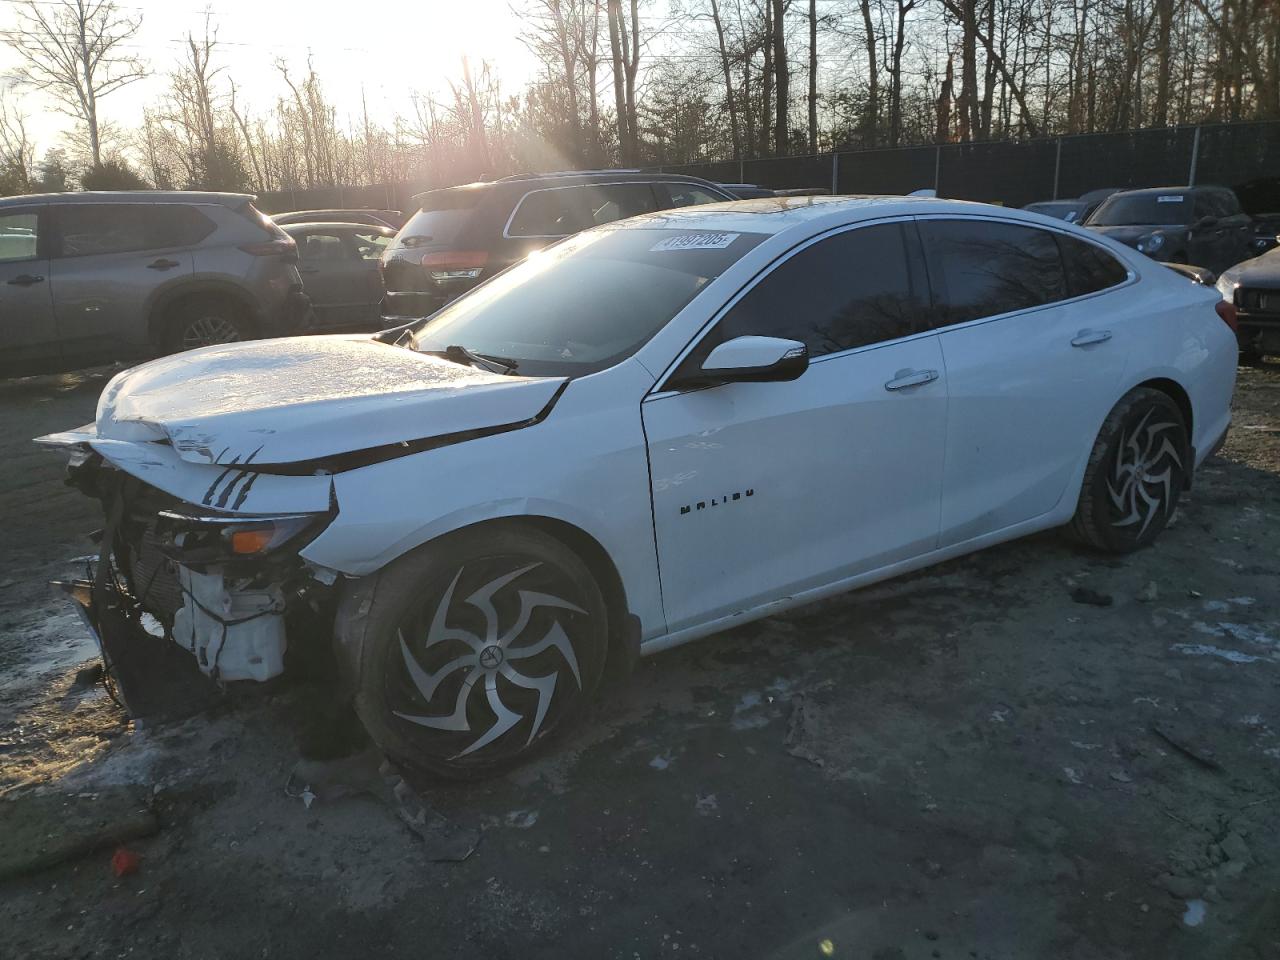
(1013, 173)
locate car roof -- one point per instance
(336, 225)
(1153, 191)
(132, 196)
(566, 178)
(773, 215)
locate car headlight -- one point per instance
(1150, 243)
(208, 538)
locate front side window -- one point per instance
(982, 268)
(856, 288)
(19, 235)
(689, 195)
(1089, 267)
(558, 212)
(369, 245)
(587, 303)
(88, 229)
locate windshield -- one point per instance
(586, 303)
(1147, 209)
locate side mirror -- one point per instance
(750, 360)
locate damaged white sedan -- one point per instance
(650, 432)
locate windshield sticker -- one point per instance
(1170, 199)
(695, 241)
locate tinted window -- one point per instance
(177, 225)
(1089, 267)
(440, 218)
(1205, 206)
(97, 228)
(983, 268)
(369, 246)
(688, 195)
(586, 303)
(850, 290)
(322, 246)
(1120, 210)
(552, 213)
(1229, 202)
(616, 201)
(18, 236)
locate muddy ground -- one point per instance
(963, 763)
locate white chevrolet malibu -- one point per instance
(653, 431)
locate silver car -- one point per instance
(97, 277)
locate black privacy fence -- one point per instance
(1013, 173)
(1016, 173)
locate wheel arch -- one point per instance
(1178, 394)
(357, 594)
(167, 297)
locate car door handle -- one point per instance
(1086, 337)
(25, 280)
(911, 378)
(308, 269)
(163, 264)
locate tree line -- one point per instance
(638, 82)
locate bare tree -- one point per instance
(17, 152)
(74, 50)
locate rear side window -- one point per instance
(1089, 267)
(859, 287)
(557, 212)
(617, 201)
(88, 229)
(982, 268)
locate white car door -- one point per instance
(1034, 353)
(764, 490)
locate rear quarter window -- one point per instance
(1089, 267)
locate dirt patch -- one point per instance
(962, 763)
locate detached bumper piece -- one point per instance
(150, 676)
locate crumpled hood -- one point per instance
(1261, 272)
(297, 399)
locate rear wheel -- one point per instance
(1135, 475)
(476, 649)
(203, 322)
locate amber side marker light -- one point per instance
(252, 541)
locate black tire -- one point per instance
(436, 680)
(1135, 475)
(204, 321)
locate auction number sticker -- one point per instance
(695, 241)
(1170, 199)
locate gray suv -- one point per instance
(97, 277)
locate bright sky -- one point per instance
(388, 48)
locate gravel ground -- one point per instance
(962, 763)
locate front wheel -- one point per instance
(475, 649)
(1135, 475)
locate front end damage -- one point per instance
(228, 592)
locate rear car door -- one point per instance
(27, 329)
(1035, 342)
(110, 261)
(765, 490)
(335, 277)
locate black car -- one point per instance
(1200, 225)
(463, 235)
(1254, 288)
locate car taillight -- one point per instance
(455, 264)
(1227, 311)
(279, 247)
